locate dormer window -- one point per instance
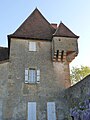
(32, 46)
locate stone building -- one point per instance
(34, 71)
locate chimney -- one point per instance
(54, 25)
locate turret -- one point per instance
(64, 44)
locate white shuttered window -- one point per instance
(51, 113)
(32, 46)
(31, 110)
(32, 75)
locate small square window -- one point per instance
(32, 46)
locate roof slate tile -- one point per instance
(35, 26)
(63, 31)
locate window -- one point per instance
(31, 110)
(32, 46)
(51, 113)
(32, 75)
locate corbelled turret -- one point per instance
(64, 44)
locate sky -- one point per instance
(75, 14)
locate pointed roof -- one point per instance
(63, 31)
(35, 27)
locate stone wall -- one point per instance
(67, 47)
(53, 87)
(65, 43)
(3, 86)
(78, 93)
(54, 78)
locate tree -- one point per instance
(78, 73)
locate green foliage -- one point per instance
(78, 73)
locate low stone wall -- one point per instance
(78, 93)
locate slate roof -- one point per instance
(3, 53)
(35, 27)
(38, 28)
(63, 31)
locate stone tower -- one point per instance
(64, 50)
(38, 69)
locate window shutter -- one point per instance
(51, 114)
(26, 75)
(31, 110)
(32, 46)
(38, 76)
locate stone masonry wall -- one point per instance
(3, 86)
(65, 46)
(54, 78)
(78, 93)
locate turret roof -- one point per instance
(63, 31)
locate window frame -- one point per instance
(36, 77)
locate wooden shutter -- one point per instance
(32, 46)
(31, 110)
(26, 75)
(51, 114)
(38, 76)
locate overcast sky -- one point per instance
(75, 14)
